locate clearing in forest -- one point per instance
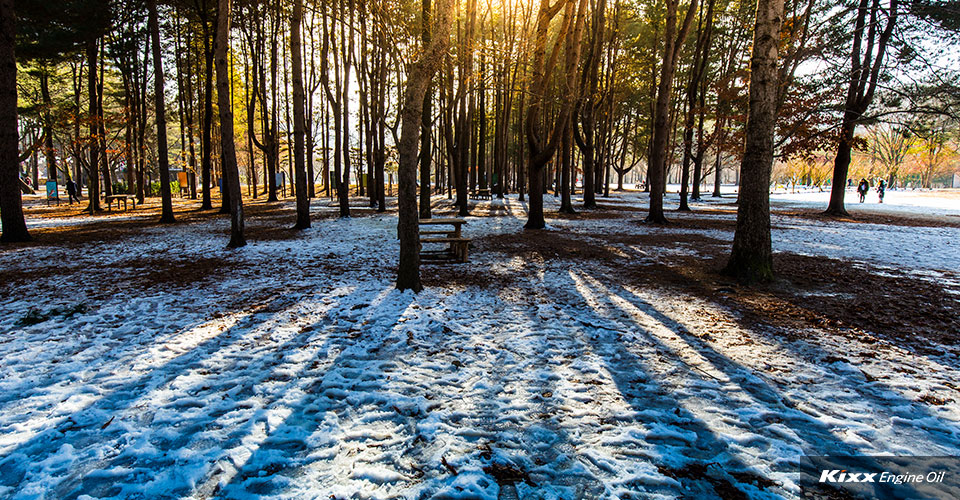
(600, 358)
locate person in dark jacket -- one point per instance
(862, 188)
(881, 188)
(72, 191)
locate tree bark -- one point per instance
(408, 273)
(540, 151)
(303, 200)
(866, 66)
(587, 106)
(566, 160)
(102, 127)
(12, 223)
(228, 164)
(49, 153)
(694, 106)
(161, 116)
(752, 257)
(426, 127)
(346, 46)
(93, 170)
(656, 172)
(206, 139)
(718, 160)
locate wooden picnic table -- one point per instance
(483, 194)
(118, 198)
(453, 235)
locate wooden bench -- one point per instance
(118, 198)
(458, 245)
(483, 194)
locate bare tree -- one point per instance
(166, 214)
(229, 160)
(752, 257)
(408, 228)
(542, 151)
(426, 132)
(657, 168)
(303, 200)
(866, 63)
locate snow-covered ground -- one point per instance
(942, 202)
(926, 248)
(292, 368)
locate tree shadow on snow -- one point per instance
(767, 412)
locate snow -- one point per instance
(298, 371)
(944, 202)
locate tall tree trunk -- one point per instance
(93, 170)
(408, 229)
(464, 120)
(228, 147)
(426, 123)
(718, 160)
(128, 134)
(482, 128)
(379, 123)
(48, 150)
(185, 89)
(673, 43)
(701, 146)
(866, 67)
(271, 114)
(12, 223)
(346, 47)
(303, 200)
(206, 139)
(35, 162)
(586, 140)
(102, 128)
(141, 129)
(694, 104)
(161, 115)
(752, 257)
(566, 154)
(309, 129)
(541, 151)
(77, 68)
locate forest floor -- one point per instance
(600, 358)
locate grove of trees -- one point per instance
(528, 97)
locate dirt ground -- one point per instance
(854, 300)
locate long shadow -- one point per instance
(93, 422)
(509, 386)
(680, 454)
(881, 397)
(318, 387)
(248, 388)
(530, 454)
(141, 349)
(816, 437)
(550, 457)
(436, 388)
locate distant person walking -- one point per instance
(862, 188)
(72, 191)
(880, 189)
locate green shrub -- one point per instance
(154, 188)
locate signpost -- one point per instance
(182, 180)
(52, 192)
